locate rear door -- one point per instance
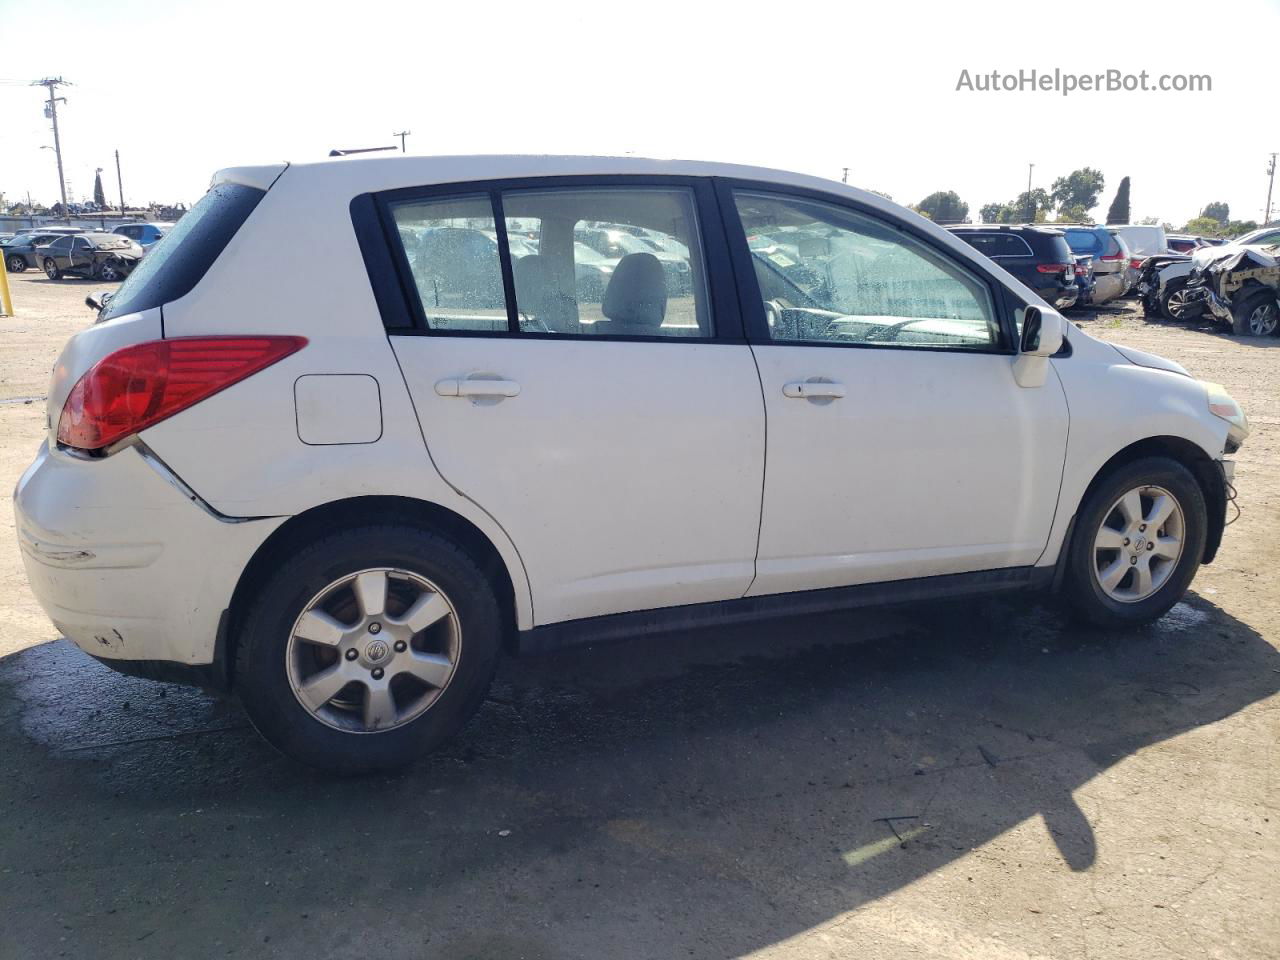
(900, 445)
(606, 412)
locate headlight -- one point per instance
(1222, 404)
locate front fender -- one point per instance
(1115, 406)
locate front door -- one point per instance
(899, 443)
(603, 408)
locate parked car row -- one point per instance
(1177, 277)
(97, 255)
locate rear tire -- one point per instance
(1256, 315)
(51, 270)
(276, 668)
(1106, 543)
(16, 264)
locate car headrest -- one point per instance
(637, 292)
(532, 281)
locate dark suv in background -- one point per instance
(1037, 256)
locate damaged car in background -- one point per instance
(1241, 289)
(98, 256)
(1163, 278)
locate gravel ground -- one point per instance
(968, 780)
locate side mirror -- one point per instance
(99, 302)
(1041, 332)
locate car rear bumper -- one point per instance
(126, 563)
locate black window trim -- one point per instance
(392, 282)
(752, 306)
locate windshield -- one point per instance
(177, 261)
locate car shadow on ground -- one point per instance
(699, 794)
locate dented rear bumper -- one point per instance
(126, 563)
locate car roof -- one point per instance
(389, 172)
(1038, 228)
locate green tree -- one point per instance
(990, 212)
(1203, 227)
(1031, 206)
(943, 206)
(1080, 188)
(99, 197)
(1118, 212)
(1217, 211)
(1076, 214)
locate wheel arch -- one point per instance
(1181, 450)
(358, 511)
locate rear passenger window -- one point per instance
(607, 261)
(998, 244)
(452, 250)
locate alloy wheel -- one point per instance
(17, 264)
(1139, 543)
(1262, 321)
(1178, 302)
(50, 270)
(373, 650)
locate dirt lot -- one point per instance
(975, 780)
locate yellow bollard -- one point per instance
(6, 302)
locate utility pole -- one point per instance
(1031, 210)
(845, 177)
(52, 84)
(120, 183)
(402, 134)
(1271, 172)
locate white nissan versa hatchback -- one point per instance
(354, 428)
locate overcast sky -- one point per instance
(182, 88)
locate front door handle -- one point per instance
(478, 388)
(810, 388)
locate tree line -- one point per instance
(1070, 200)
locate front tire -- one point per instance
(369, 648)
(51, 269)
(16, 264)
(1137, 543)
(1175, 304)
(1256, 315)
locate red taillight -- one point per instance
(1136, 263)
(1079, 269)
(1112, 256)
(1052, 267)
(138, 386)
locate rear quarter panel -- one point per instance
(295, 268)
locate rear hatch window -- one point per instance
(175, 264)
(1061, 251)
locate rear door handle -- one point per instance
(478, 388)
(807, 388)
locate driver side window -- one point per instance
(829, 275)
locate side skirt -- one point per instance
(616, 626)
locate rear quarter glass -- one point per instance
(173, 267)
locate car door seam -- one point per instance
(1062, 475)
(427, 447)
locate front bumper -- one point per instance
(126, 563)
